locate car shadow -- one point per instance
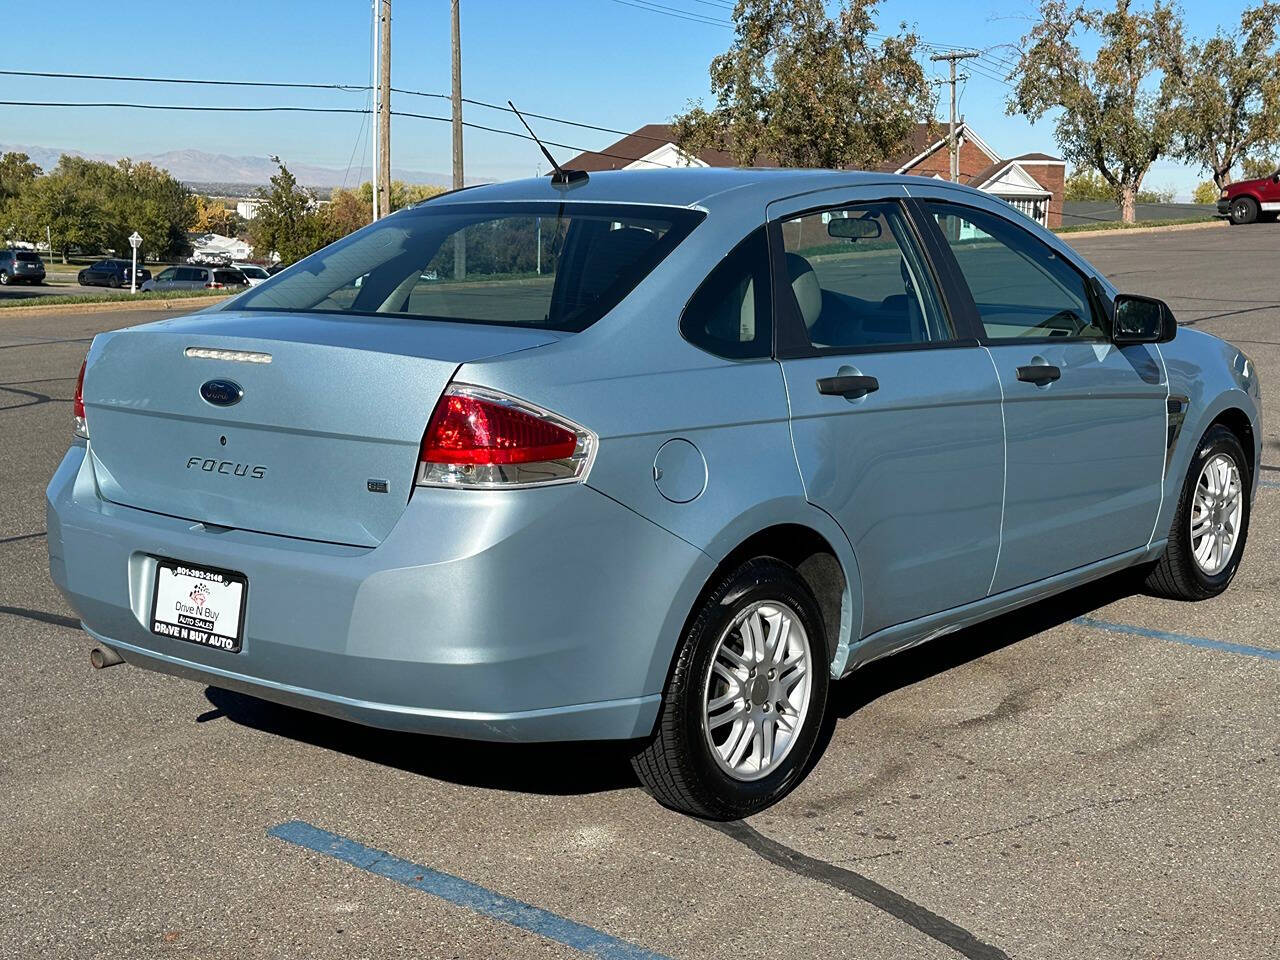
(563, 769)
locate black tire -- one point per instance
(1244, 210)
(1177, 575)
(115, 283)
(676, 764)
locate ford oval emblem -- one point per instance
(221, 393)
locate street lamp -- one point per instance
(135, 241)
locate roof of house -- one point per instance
(1033, 157)
(638, 145)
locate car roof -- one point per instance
(684, 187)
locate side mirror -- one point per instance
(1138, 319)
(853, 228)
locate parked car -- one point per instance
(112, 273)
(1246, 200)
(21, 266)
(253, 273)
(197, 278)
(751, 431)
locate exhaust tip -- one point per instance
(103, 656)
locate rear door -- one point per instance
(1085, 419)
(895, 411)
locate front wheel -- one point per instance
(1211, 522)
(1244, 210)
(4, 279)
(744, 704)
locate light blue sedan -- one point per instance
(652, 456)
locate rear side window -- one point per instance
(233, 277)
(859, 279)
(731, 314)
(558, 266)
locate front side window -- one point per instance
(557, 266)
(167, 274)
(1023, 289)
(731, 314)
(859, 279)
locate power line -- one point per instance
(674, 12)
(355, 88)
(296, 109)
(360, 88)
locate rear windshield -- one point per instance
(554, 266)
(26, 257)
(228, 276)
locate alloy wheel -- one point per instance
(756, 694)
(1217, 507)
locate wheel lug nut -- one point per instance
(766, 708)
(770, 674)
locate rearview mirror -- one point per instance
(1142, 320)
(853, 228)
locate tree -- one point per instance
(800, 89)
(348, 211)
(214, 216)
(1255, 168)
(147, 199)
(1088, 185)
(1207, 192)
(402, 194)
(17, 172)
(289, 221)
(1230, 100)
(1118, 112)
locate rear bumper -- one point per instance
(546, 614)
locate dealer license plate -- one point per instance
(199, 604)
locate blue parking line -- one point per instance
(463, 893)
(1187, 639)
(1269, 483)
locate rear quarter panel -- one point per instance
(636, 383)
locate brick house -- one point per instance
(1031, 182)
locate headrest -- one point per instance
(804, 283)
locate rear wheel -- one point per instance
(1211, 522)
(1244, 210)
(743, 706)
(115, 282)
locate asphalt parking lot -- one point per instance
(1096, 776)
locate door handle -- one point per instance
(1039, 373)
(850, 387)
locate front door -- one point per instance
(895, 418)
(1085, 420)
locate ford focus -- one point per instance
(647, 456)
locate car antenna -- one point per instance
(561, 175)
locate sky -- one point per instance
(604, 62)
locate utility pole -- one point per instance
(459, 240)
(375, 50)
(952, 56)
(384, 107)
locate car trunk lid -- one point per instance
(289, 424)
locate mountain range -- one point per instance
(198, 166)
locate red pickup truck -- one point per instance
(1246, 200)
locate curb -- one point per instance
(108, 305)
(1129, 231)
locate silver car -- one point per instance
(653, 456)
(197, 278)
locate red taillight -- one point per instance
(77, 404)
(481, 438)
(466, 429)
